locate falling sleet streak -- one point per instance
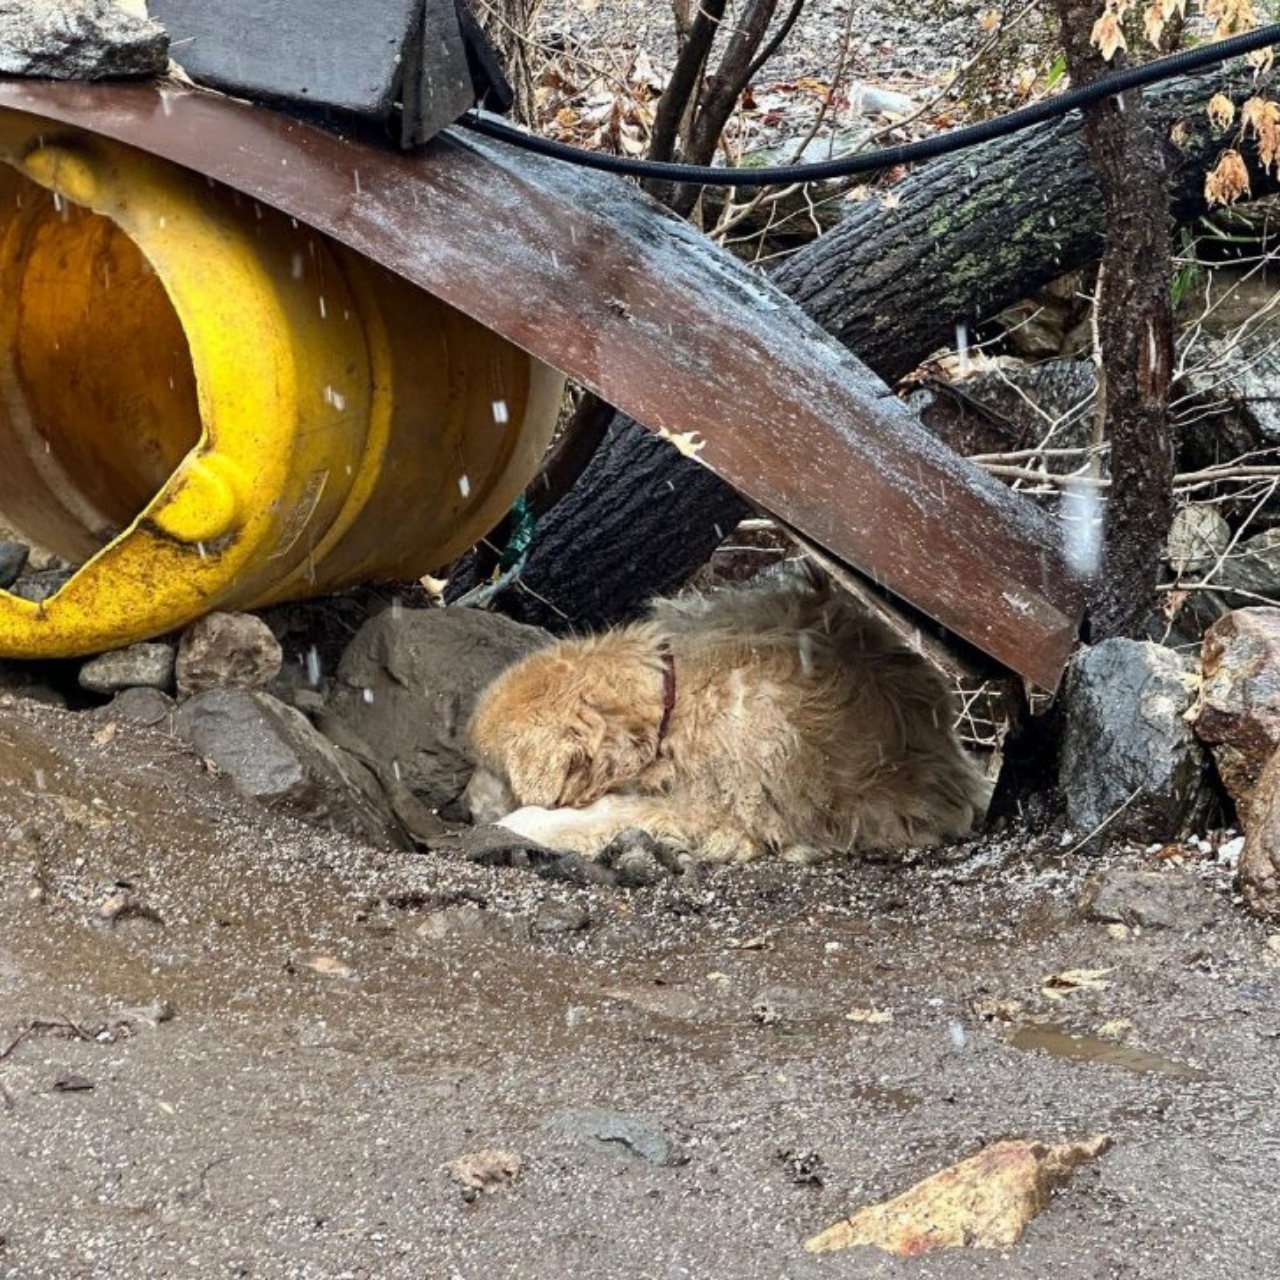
(1082, 528)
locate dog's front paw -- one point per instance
(637, 859)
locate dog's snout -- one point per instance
(488, 797)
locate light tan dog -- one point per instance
(769, 718)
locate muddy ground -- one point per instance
(231, 1045)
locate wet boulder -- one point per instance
(273, 754)
(1148, 900)
(1259, 873)
(1129, 758)
(1238, 712)
(79, 40)
(407, 685)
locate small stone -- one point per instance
(1197, 539)
(141, 705)
(1148, 899)
(466, 920)
(309, 701)
(227, 651)
(561, 917)
(330, 966)
(40, 585)
(79, 40)
(140, 666)
(632, 1134)
(13, 559)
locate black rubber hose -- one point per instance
(1189, 60)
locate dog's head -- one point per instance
(567, 725)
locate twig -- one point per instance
(1104, 824)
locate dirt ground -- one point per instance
(231, 1045)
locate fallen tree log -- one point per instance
(966, 236)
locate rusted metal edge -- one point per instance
(593, 278)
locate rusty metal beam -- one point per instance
(592, 277)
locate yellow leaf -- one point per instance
(873, 1016)
(1058, 985)
(1153, 23)
(686, 442)
(1261, 60)
(1262, 116)
(990, 20)
(1228, 181)
(1107, 35)
(1221, 111)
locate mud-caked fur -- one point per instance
(801, 726)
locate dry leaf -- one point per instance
(1107, 36)
(1230, 16)
(331, 966)
(1153, 23)
(982, 1202)
(687, 442)
(1221, 111)
(1229, 179)
(1262, 117)
(990, 20)
(997, 1009)
(1116, 1029)
(485, 1170)
(106, 734)
(1058, 986)
(872, 1016)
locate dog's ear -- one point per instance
(616, 748)
(544, 770)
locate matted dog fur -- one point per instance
(800, 725)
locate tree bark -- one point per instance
(969, 235)
(973, 232)
(508, 25)
(1134, 319)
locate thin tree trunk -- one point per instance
(1134, 319)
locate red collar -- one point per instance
(668, 688)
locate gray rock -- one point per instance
(1129, 758)
(869, 100)
(1152, 899)
(140, 706)
(140, 666)
(79, 40)
(1254, 566)
(633, 1134)
(273, 754)
(467, 921)
(226, 651)
(41, 584)
(13, 559)
(407, 685)
(561, 917)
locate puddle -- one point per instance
(1062, 1044)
